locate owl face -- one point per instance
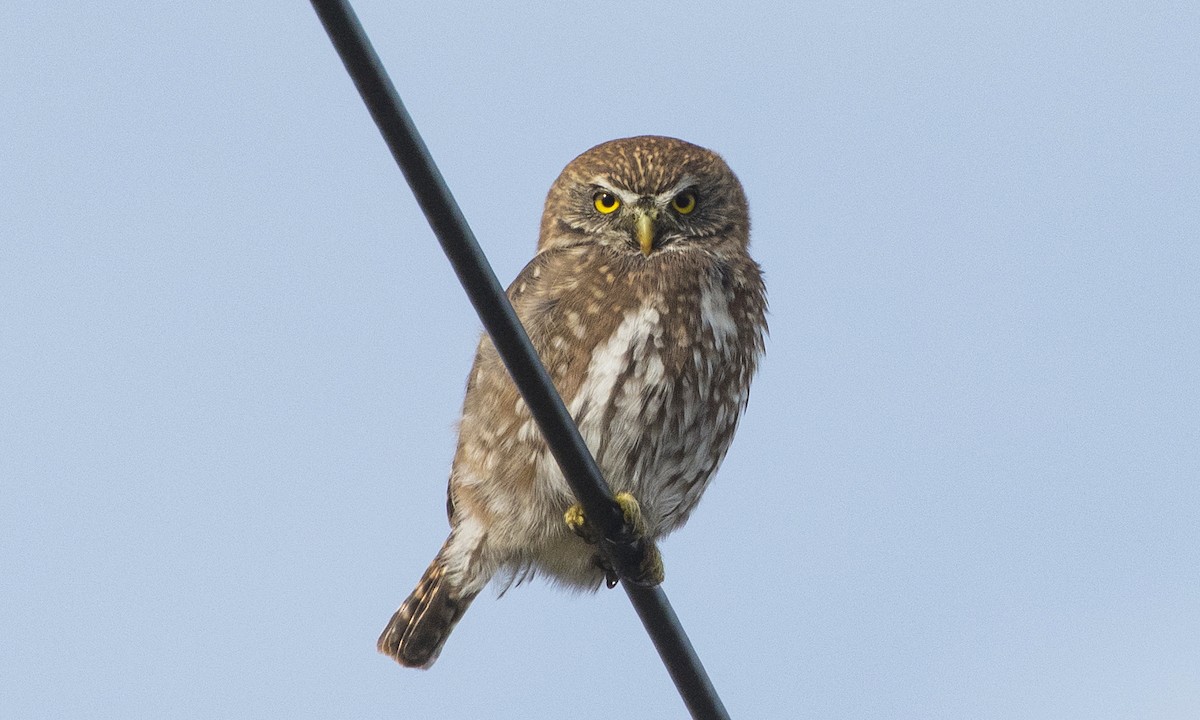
(649, 196)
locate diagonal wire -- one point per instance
(512, 343)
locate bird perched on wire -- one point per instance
(649, 315)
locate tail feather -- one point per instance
(419, 629)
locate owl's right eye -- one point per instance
(605, 202)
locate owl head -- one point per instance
(648, 196)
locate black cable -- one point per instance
(512, 343)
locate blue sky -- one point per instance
(232, 355)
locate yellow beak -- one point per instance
(645, 231)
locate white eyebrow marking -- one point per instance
(626, 196)
(684, 183)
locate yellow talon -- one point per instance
(649, 561)
(650, 565)
(575, 519)
(632, 512)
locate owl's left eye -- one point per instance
(605, 202)
(684, 202)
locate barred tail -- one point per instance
(417, 631)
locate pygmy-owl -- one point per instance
(649, 315)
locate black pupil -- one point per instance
(683, 200)
(607, 200)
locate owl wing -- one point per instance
(496, 436)
(561, 299)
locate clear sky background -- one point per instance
(232, 356)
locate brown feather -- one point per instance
(419, 629)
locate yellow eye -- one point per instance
(605, 202)
(684, 202)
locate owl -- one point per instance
(649, 315)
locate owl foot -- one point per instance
(577, 521)
(632, 512)
(650, 570)
(638, 552)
